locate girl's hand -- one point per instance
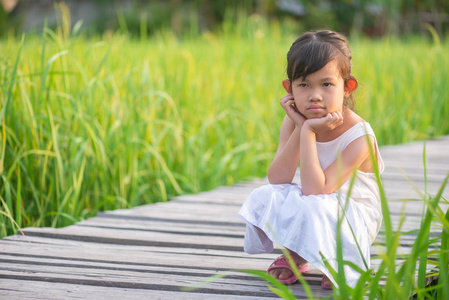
(329, 122)
(288, 104)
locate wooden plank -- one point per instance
(398, 162)
(409, 159)
(179, 206)
(415, 207)
(150, 281)
(115, 237)
(132, 276)
(436, 179)
(163, 226)
(406, 240)
(154, 250)
(127, 255)
(210, 215)
(314, 279)
(26, 289)
(219, 260)
(404, 190)
(132, 237)
(409, 223)
(170, 218)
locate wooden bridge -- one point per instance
(155, 251)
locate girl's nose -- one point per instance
(315, 96)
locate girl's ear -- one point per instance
(287, 85)
(350, 86)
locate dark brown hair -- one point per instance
(313, 50)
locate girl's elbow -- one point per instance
(270, 177)
(278, 180)
(310, 192)
(317, 190)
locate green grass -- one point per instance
(91, 124)
(421, 273)
(398, 275)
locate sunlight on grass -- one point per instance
(91, 124)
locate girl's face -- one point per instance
(319, 93)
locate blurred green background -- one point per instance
(122, 103)
(138, 17)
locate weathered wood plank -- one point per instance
(26, 290)
(141, 238)
(152, 251)
(163, 226)
(126, 280)
(410, 222)
(144, 257)
(132, 276)
(128, 254)
(212, 216)
(130, 237)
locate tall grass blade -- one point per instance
(8, 96)
(391, 240)
(433, 32)
(304, 283)
(425, 168)
(421, 244)
(443, 279)
(276, 287)
(422, 268)
(282, 288)
(19, 206)
(7, 213)
(384, 204)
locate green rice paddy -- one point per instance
(92, 124)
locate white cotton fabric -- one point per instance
(307, 225)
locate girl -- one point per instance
(329, 141)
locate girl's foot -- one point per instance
(326, 283)
(281, 270)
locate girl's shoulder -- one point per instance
(357, 126)
(352, 119)
(354, 123)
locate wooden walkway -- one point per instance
(154, 251)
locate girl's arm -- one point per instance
(314, 180)
(285, 162)
(284, 165)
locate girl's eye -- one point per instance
(303, 84)
(327, 84)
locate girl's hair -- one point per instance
(313, 50)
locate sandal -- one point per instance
(326, 286)
(282, 263)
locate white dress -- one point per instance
(307, 225)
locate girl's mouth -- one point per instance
(315, 108)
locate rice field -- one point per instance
(100, 123)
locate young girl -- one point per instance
(328, 140)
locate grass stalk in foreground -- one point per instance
(397, 276)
